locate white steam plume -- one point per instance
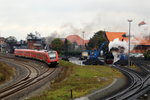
(116, 43)
(142, 32)
(135, 39)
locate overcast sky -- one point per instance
(63, 17)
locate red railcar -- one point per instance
(49, 57)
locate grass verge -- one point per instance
(6, 72)
(81, 79)
(134, 67)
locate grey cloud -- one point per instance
(20, 16)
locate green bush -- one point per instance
(147, 55)
(71, 53)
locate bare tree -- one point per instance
(11, 42)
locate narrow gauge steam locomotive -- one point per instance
(49, 57)
(109, 58)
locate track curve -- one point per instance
(139, 81)
(37, 73)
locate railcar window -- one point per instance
(52, 55)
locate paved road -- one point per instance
(76, 60)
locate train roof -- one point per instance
(34, 50)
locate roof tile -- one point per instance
(77, 39)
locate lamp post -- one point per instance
(129, 20)
(83, 39)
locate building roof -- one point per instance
(143, 41)
(2, 38)
(141, 23)
(113, 35)
(77, 39)
(137, 41)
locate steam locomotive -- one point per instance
(49, 57)
(109, 58)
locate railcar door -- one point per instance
(45, 57)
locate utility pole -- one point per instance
(83, 40)
(129, 20)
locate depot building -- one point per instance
(140, 45)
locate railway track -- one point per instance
(145, 65)
(36, 74)
(139, 85)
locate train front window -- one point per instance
(52, 55)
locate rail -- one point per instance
(36, 75)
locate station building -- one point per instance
(35, 42)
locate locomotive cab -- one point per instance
(53, 56)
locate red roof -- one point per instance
(143, 41)
(77, 39)
(113, 35)
(141, 23)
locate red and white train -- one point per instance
(49, 57)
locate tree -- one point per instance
(66, 47)
(11, 41)
(58, 45)
(147, 55)
(97, 40)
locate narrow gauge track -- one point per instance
(139, 83)
(136, 81)
(34, 78)
(145, 65)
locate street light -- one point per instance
(83, 39)
(129, 20)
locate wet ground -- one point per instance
(145, 96)
(76, 60)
